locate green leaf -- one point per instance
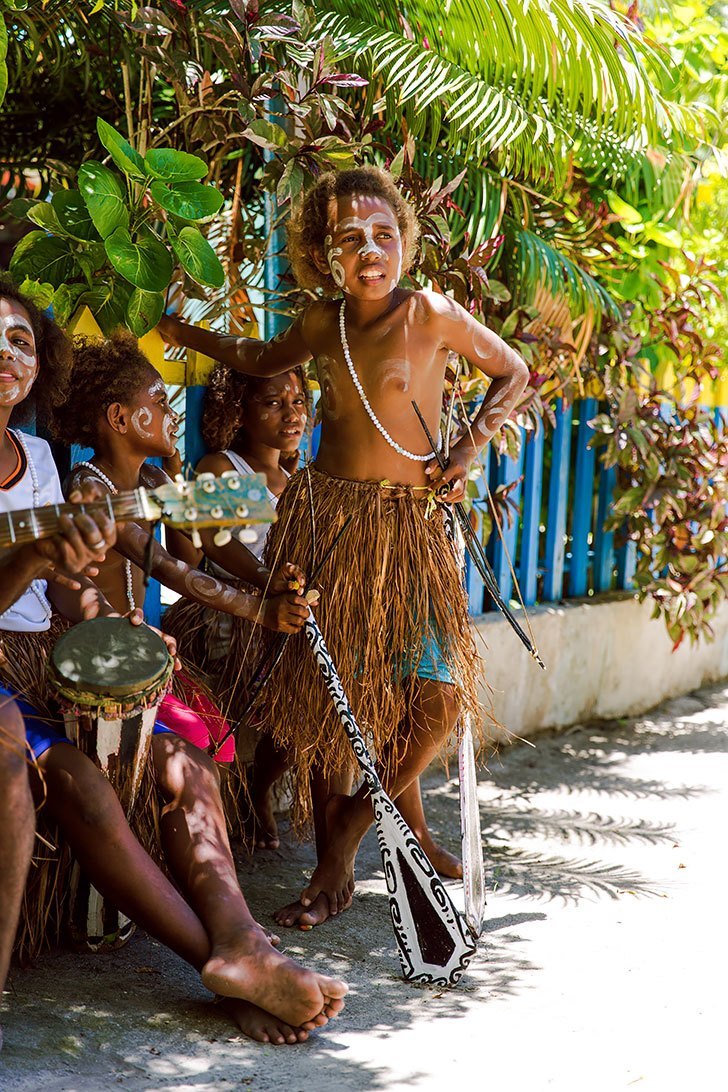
(143, 311)
(74, 216)
(19, 207)
(43, 258)
(197, 257)
(146, 263)
(64, 302)
(107, 302)
(188, 200)
(126, 158)
(103, 193)
(40, 293)
(620, 208)
(172, 166)
(44, 215)
(267, 135)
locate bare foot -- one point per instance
(331, 887)
(261, 829)
(249, 968)
(261, 1026)
(445, 863)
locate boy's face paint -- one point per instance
(274, 414)
(18, 359)
(153, 420)
(364, 246)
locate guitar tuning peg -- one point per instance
(222, 537)
(196, 540)
(247, 535)
(206, 476)
(233, 482)
(241, 512)
(179, 479)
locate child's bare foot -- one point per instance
(261, 1026)
(445, 863)
(331, 887)
(249, 968)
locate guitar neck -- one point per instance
(17, 528)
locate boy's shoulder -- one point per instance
(424, 304)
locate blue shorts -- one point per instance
(42, 734)
(432, 664)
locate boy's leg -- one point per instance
(411, 808)
(241, 960)
(269, 764)
(17, 826)
(433, 715)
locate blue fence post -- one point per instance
(558, 498)
(626, 565)
(473, 583)
(506, 472)
(604, 540)
(582, 504)
(532, 484)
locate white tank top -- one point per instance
(260, 529)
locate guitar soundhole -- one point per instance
(436, 944)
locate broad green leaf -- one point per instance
(126, 158)
(266, 134)
(19, 207)
(74, 216)
(621, 209)
(146, 263)
(44, 215)
(43, 258)
(42, 294)
(169, 165)
(104, 195)
(90, 259)
(143, 311)
(107, 302)
(64, 302)
(197, 257)
(188, 200)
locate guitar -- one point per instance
(205, 501)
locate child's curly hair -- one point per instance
(104, 371)
(55, 356)
(224, 404)
(308, 229)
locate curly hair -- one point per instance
(225, 400)
(55, 357)
(308, 229)
(104, 371)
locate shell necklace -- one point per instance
(365, 401)
(127, 563)
(36, 586)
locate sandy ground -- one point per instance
(603, 964)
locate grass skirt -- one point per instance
(392, 584)
(44, 912)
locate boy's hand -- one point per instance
(171, 329)
(172, 464)
(451, 483)
(287, 578)
(284, 613)
(81, 541)
(136, 617)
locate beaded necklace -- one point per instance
(36, 586)
(365, 401)
(127, 563)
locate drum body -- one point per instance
(109, 678)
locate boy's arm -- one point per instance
(285, 613)
(245, 354)
(509, 374)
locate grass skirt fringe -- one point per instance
(392, 583)
(44, 913)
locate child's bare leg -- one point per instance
(17, 827)
(269, 764)
(323, 789)
(432, 719)
(412, 811)
(241, 962)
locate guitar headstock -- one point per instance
(206, 501)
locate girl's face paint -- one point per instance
(364, 246)
(274, 413)
(18, 359)
(153, 420)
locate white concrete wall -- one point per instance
(604, 658)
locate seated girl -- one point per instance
(273, 998)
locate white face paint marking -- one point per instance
(21, 364)
(168, 426)
(140, 419)
(205, 586)
(264, 416)
(337, 269)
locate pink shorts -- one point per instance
(199, 721)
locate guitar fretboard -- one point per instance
(17, 528)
